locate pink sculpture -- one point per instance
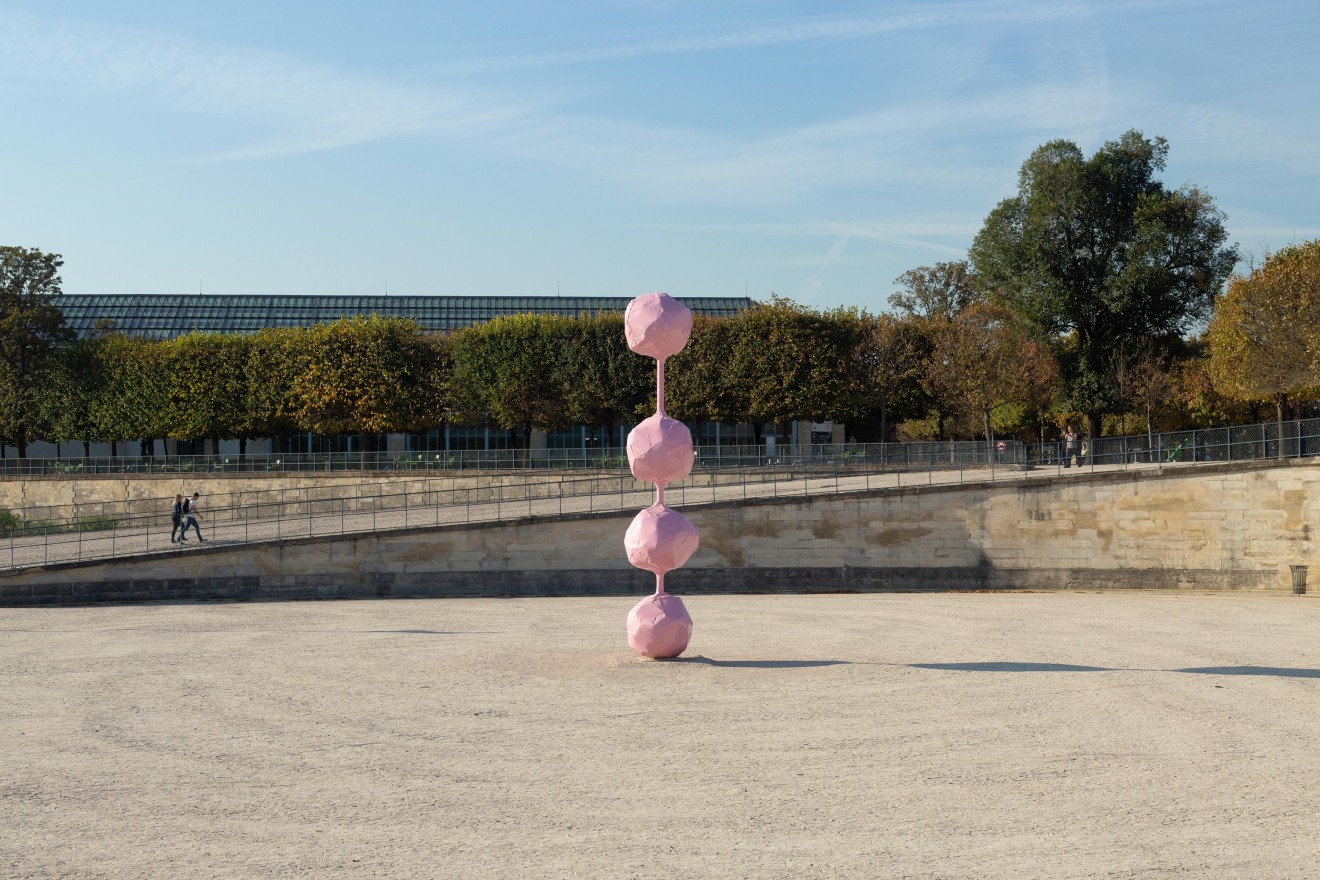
(660, 539)
(659, 451)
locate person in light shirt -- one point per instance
(191, 516)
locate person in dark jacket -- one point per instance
(176, 516)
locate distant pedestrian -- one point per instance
(176, 516)
(190, 518)
(1071, 446)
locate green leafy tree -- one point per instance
(72, 393)
(277, 357)
(698, 383)
(936, 293)
(424, 403)
(31, 328)
(797, 363)
(506, 370)
(206, 374)
(604, 382)
(135, 399)
(1265, 334)
(1099, 249)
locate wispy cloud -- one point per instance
(798, 30)
(891, 146)
(306, 106)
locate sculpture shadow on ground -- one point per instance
(759, 664)
(1009, 666)
(1279, 671)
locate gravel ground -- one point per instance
(924, 736)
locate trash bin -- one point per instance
(1299, 579)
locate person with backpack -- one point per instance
(176, 517)
(190, 518)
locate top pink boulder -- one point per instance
(657, 325)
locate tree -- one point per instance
(72, 393)
(360, 374)
(790, 362)
(1265, 334)
(891, 356)
(1149, 378)
(31, 327)
(936, 293)
(985, 359)
(605, 383)
(206, 374)
(135, 402)
(698, 383)
(505, 370)
(1099, 249)
(277, 357)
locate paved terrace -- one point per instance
(999, 737)
(416, 509)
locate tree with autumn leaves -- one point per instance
(985, 358)
(1265, 335)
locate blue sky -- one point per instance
(612, 147)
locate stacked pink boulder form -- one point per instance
(660, 452)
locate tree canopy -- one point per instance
(1265, 335)
(1099, 249)
(31, 327)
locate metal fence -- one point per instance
(108, 530)
(951, 452)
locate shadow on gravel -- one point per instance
(1281, 671)
(413, 632)
(760, 664)
(993, 666)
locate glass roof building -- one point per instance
(161, 316)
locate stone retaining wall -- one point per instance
(1230, 527)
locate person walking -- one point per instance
(1071, 446)
(176, 517)
(190, 518)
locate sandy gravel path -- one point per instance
(878, 736)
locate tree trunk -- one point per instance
(1093, 426)
(1150, 428)
(884, 419)
(114, 448)
(1280, 401)
(242, 449)
(87, 448)
(20, 442)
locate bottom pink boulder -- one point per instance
(659, 626)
